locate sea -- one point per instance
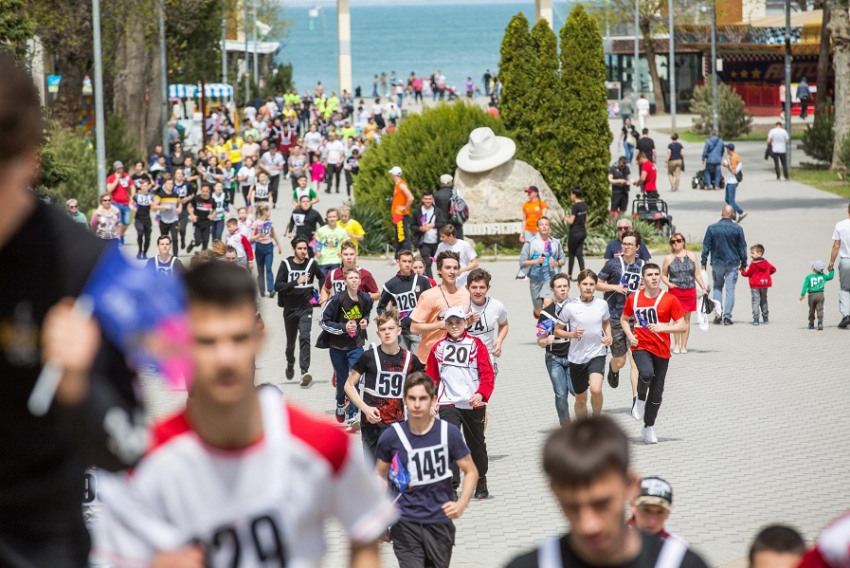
(461, 39)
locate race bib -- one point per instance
(456, 355)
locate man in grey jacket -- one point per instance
(712, 156)
(540, 260)
(727, 245)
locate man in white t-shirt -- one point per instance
(778, 139)
(841, 248)
(586, 323)
(240, 477)
(488, 317)
(335, 156)
(468, 257)
(272, 163)
(312, 140)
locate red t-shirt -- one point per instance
(663, 309)
(122, 190)
(651, 175)
(335, 282)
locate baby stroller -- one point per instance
(698, 181)
(653, 211)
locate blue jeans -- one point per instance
(725, 275)
(326, 269)
(559, 373)
(709, 169)
(342, 361)
(630, 152)
(125, 213)
(731, 188)
(265, 255)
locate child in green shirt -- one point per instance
(813, 285)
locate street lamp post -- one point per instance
(254, 38)
(636, 72)
(100, 123)
(247, 88)
(788, 97)
(224, 49)
(671, 68)
(163, 69)
(714, 65)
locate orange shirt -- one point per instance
(399, 205)
(533, 211)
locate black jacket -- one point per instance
(332, 324)
(291, 295)
(443, 199)
(397, 286)
(440, 220)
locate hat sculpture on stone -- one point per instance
(485, 151)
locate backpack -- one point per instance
(458, 210)
(740, 175)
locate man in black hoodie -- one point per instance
(403, 291)
(443, 201)
(297, 296)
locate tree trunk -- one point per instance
(129, 84)
(153, 126)
(823, 61)
(649, 50)
(839, 27)
(69, 100)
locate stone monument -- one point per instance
(493, 183)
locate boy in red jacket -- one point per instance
(759, 272)
(460, 367)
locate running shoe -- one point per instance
(727, 321)
(481, 491)
(675, 351)
(271, 294)
(845, 321)
(189, 247)
(352, 425)
(820, 325)
(765, 321)
(741, 216)
(811, 326)
(613, 378)
(649, 435)
(718, 320)
(340, 413)
(290, 372)
(638, 409)
(306, 379)
(755, 322)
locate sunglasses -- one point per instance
(621, 229)
(674, 241)
(105, 200)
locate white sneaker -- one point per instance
(675, 351)
(638, 409)
(649, 435)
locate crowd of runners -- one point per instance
(243, 477)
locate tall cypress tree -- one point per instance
(545, 108)
(515, 73)
(586, 136)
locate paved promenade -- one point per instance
(753, 429)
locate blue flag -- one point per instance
(399, 474)
(545, 327)
(143, 312)
(640, 319)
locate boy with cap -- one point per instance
(460, 367)
(652, 507)
(813, 285)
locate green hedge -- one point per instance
(424, 147)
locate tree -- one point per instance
(544, 105)
(839, 27)
(586, 137)
(733, 118)
(15, 27)
(515, 66)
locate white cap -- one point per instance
(455, 312)
(446, 179)
(395, 171)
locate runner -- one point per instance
(142, 200)
(587, 463)
(653, 311)
(539, 259)
(167, 205)
(277, 463)
(297, 297)
(426, 447)
(334, 282)
(620, 277)
(344, 320)
(328, 240)
(382, 370)
(235, 239)
(201, 212)
(265, 239)
(427, 317)
(488, 318)
(165, 262)
(651, 509)
(557, 348)
(587, 322)
(467, 256)
(461, 370)
(403, 291)
(304, 221)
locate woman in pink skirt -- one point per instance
(681, 274)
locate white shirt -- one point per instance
(729, 175)
(377, 110)
(778, 139)
(493, 316)
(251, 174)
(430, 237)
(642, 105)
(335, 151)
(842, 234)
(588, 316)
(466, 253)
(313, 139)
(273, 163)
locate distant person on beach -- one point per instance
(487, 77)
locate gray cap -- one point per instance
(117, 164)
(818, 266)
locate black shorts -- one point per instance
(619, 201)
(423, 544)
(620, 343)
(580, 373)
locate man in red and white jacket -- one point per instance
(235, 239)
(460, 367)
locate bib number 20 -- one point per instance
(456, 354)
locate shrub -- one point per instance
(69, 168)
(733, 119)
(118, 145)
(600, 235)
(279, 80)
(819, 137)
(425, 147)
(377, 226)
(844, 151)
